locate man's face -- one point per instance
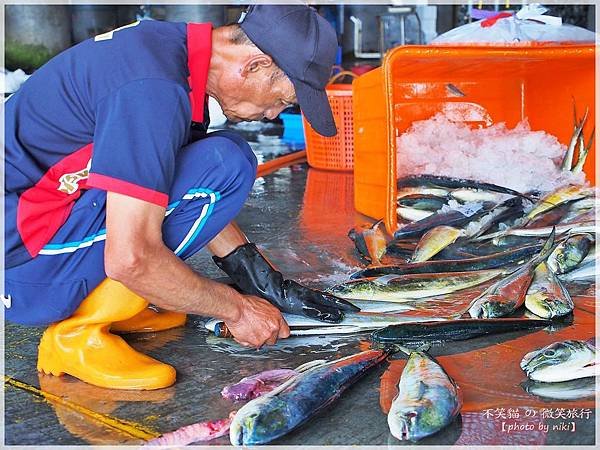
(257, 91)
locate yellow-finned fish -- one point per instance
(558, 197)
(434, 241)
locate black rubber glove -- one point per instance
(254, 275)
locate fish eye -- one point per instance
(549, 353)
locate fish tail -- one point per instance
(546, 250)
(399, 348)
(424, 348)
(567, 161)
(583, 152)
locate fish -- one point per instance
(493, 261)
(568, 254)
(449, 216)
(422, 202)
(413, 214)
(585, 272)
(508, 294)
(512, 241)
(511, 208)
(564, 390)
(583, 152)
(452, 330)
(434, 181)
(352, 322)
(573, 228)
(550, 218)
(428, 399)
(557, 197)
(402, 288)
(477, 195)
(561, 361)
(370, 242)
(579, 207)
(247, 388)
(434, 241)
(406, 191)
(402, 249)
(547, 297)
(280, 411)
(568, 158)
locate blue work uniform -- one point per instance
(113, 113)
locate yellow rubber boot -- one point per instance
(149, 320)
(82, 345)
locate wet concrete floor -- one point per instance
(300, 217)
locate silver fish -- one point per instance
(478, 195)
(561, 361)
(413, 214)
(585, 272)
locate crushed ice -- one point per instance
(518, 158)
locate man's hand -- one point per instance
(136, 256)
(253, 274)
(259, 323)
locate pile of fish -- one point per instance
(531, 245)
(561, 361)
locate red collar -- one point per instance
(199, 45)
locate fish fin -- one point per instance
(307, 367)
(583, 152)
(403, 349)
(385, 279)
(424, 348)
(546, 249)
(567, 161)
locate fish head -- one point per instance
(564, 258)
(405, 423)
(491, 309)
(417, 421)
(543, 305)
(258, 422)
(546, 363)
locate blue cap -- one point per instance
(304, 46)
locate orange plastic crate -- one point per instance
(510, 83)
(333, 153)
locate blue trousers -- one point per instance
(213, 177)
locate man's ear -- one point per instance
(256, 63)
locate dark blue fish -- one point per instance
(275, 414)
